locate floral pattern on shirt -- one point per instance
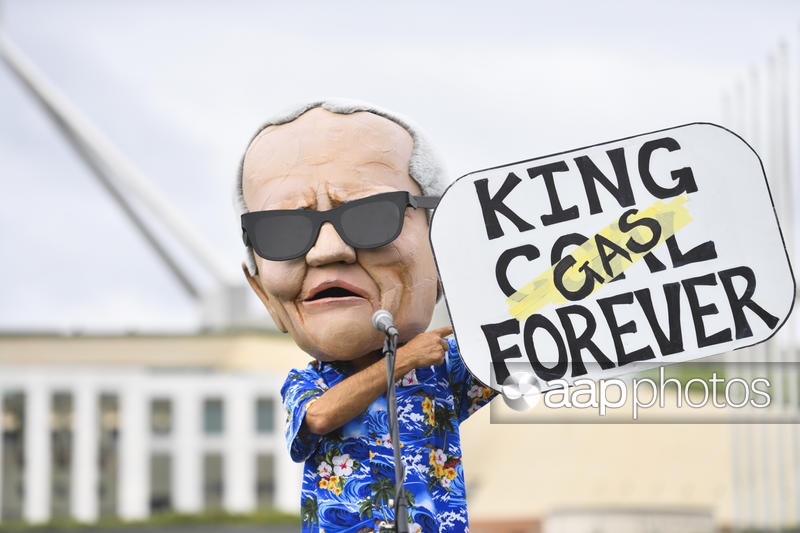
(348, 477)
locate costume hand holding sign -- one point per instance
(641, 252)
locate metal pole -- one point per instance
(734, 115)
(763, 481)
(400, 503)
(789, 334)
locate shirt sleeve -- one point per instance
(301, 389)
(469, 394)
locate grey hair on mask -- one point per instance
(424, 167)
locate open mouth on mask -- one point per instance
(333, 292)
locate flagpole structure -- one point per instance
(146, 208)
(764, 109)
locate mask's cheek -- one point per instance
(281, 282)
(406, 275)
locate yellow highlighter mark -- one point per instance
(601, 258)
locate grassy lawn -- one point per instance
(261, 518)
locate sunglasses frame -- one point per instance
(402, 199)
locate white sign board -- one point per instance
(650, 250)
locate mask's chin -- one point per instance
(346, 333)
(343, 346)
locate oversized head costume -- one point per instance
(320, 156)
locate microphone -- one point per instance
(382, 321)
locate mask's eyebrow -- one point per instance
(294, 201)
(338, 196)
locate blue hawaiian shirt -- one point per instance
(348, 479)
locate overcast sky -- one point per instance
(179, 87)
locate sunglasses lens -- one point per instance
(282, 236)
(372, 224)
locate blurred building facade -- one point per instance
(129, 426)
(134, 425)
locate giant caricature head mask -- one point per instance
(325, 298)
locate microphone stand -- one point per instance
(400, 502)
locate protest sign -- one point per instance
(650, 250)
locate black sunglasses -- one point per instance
(371, 222)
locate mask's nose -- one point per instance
(330, 248)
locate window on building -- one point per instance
(213, 481)
(265, 415)
(265, 480)
(161, 416)
(13, 455)
(108, 454)
(213, 416)
(160, 483)
(60, 454)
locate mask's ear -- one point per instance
(255, 284)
